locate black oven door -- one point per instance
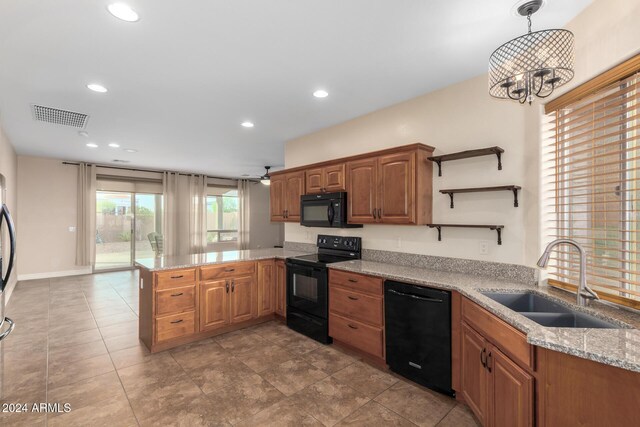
(317, 212)
(307, 289)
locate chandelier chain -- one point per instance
(529, 20)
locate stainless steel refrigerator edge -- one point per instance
(6, 324)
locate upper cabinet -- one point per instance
(327, 179)
(391, 186)
(286, 190)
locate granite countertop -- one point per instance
(194, 260)
(615, 347)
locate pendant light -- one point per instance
(533, 65)
(266, 179)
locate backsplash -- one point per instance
(510, 272)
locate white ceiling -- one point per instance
(183, 78)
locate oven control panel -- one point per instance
(339, 242)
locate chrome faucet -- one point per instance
(585, 293)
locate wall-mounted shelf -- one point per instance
(468, 154)
(513, 188)
(497, 228)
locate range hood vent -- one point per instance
(59, 117)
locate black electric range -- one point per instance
(308, 284)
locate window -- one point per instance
(592, 173)
(222, 215)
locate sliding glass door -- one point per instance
(128, 226)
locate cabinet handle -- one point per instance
(233, 285)
(226, 283)
(374, 214)
(489, 362)
(353, 298)
(483, 360)
(351, 326)
(229, 270)
(353, 280)
(379, 213)
(178, 277)
(177, 321)
(177, 295)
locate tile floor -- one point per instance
(76, 342)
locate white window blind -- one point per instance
(592, 175)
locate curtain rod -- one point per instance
(146, 170)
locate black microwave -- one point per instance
(325, 210)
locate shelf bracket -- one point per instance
(439, 233)
(499, 230)
(451, 196)
(499, 154)
(515, 197)
(439, 163)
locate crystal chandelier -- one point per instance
(533, 65)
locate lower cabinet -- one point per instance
(281, 288)
(474, 378)
(243, 299)
(266, 287)
(214, 304)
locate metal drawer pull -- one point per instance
(483, 358)
(8, 331)
(177, 295)
(353, 298)
(353, 280)
(178, 277)
(226, 282)
(177, 321)
(489, 362)
(393, 291)
(229, 270)
(351, 326)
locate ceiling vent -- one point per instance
(59, 117)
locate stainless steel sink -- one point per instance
(547, 312)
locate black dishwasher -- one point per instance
(418, 334)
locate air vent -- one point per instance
(59, 117)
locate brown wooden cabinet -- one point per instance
(327, 179)
(498, 388)
(243, 299)
(393, 188)
(281, 288)
(266, 287)
(286, 190)
(214, 304)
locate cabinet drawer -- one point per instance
(175, 278)
(504, 336)
(175, 300)
(356, 282)
(175, 326)
(356, 305)
(227, 270)
(356, 334)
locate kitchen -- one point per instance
(446, 198)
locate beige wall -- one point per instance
(47, 207)
(8, 169)
(262, 232)
(463, 116)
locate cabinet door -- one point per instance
(277, 198)
(294, 189)
(266, 287)
(242, 298)
(334, 178)
(362, 179)
(281, 289)
(511, 398)
(396, 198)
(475, 387)
(314, 181)
(214, 304)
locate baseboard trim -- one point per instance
(51, 274)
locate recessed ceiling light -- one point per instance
(92, 145)
(83, 133)
(247, 124)
(321, 93)
(123, 11)
(130, 150)
(97, 88)
(114, 145)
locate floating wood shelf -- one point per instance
(468, 154)
(497, 228)
(513, 188)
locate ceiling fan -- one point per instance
(264, 179)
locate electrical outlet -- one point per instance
(484, 247)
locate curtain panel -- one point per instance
(244, 192)
(86, 215)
